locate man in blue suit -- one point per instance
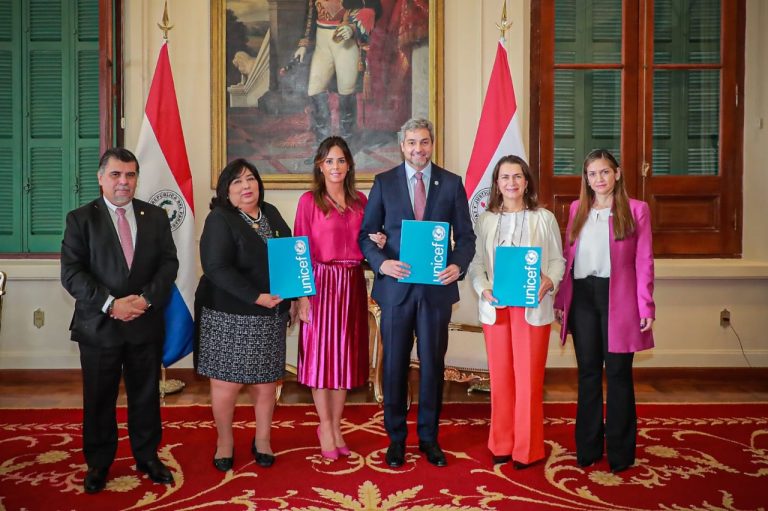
(415, 190)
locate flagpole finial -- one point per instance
(165, 26)
(504, 25)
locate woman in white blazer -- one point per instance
(516, 338)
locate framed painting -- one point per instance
(287, 73)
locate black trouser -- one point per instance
(102, 368)
(588, 322)
(398, 324)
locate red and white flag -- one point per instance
(165, 180)
(498, 134)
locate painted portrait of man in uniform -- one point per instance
(298, 71)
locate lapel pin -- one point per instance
(141, 212)
(437, 183)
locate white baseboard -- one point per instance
(556, 358)
(47, 360)
(658, 357)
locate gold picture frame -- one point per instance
(300, 179)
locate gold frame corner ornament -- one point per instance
(302, 181)
(218, 96)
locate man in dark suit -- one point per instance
(416, 189)
(118, 261)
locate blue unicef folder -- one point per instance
(424, 245)
(290, 267)
(517, 276)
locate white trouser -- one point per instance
(331, 57)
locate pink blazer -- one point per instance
(631, 288)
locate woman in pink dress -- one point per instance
(333, 341)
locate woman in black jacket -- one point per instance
(242, 327)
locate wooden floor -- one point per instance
(62, 388)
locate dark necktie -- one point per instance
(419, 197)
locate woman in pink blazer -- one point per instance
(606, 301)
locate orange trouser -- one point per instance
(517, 354)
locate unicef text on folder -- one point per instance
(517, 277)
(424, 246)
(290, 267)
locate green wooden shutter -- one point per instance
(686, 103)
(587, 105)
(86, 143)
(565, 122)
(47, 88)
(10, 127)
(565, 107)
(49, 148)
(604, 120)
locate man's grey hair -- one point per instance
(416, 124)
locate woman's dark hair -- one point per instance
(530, 195)
(318, 180)
(623, 222)
(231, 172)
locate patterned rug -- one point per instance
(689, 457)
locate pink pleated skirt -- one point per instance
(333, 346)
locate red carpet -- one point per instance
(696, 457)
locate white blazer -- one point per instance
(544, 233)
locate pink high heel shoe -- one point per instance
(344, 451)
(331, 455)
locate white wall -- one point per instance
(755, 239)
(689, 293)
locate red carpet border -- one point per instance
(689, 457)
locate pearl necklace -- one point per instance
(253, 222)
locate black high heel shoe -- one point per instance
(224, 464)
(262, 459)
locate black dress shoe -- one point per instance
(262, 459)
(95, 479)
(519, 465)
(156, 471)
(224, 464)
(587, 462)
(619, 468)
(497, 460)
(395, 454)
(433, 452)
